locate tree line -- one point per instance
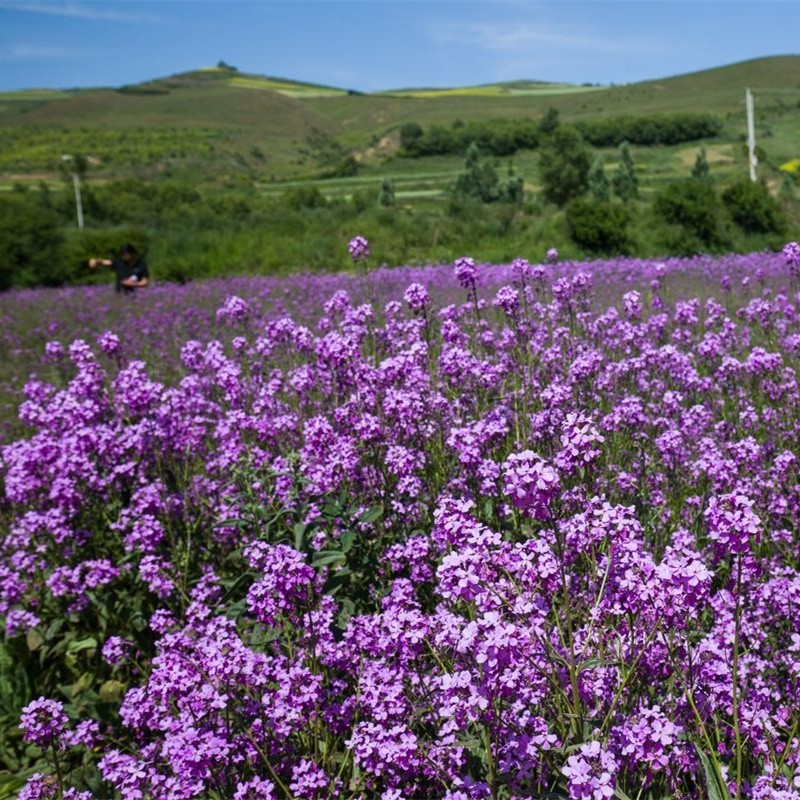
(503, 137)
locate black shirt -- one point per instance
(124, 270)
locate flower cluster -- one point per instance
(359, 248)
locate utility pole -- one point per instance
(751, 134)
(76, 182)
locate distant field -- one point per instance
(495, 90)
(289, 89)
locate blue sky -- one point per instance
(370, 45)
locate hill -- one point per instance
(265, 127)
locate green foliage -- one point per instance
(81, 245)
(479, 182)
(701, 170)
(36, 148)
(624, 180)
(506, 136)
(303, 197)
(598, 226)
(697, 215)
(564, 162)
(30, 243)
(549, 122)
(362, 200)
(650, 130)
(598, 183)
(499, 137)
(386, 197)
(753, 208)
(335, 160)
(411, 134)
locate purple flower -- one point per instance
(591, 773)
(359, 248)
(234, 310)
(43, 721)
(530, 483)
(552, 255)
(254, 789)
(54, 352)
(465, 271)
(507, 298)
(791, 252)
(116, 650)
(109, 343)
(416, 296)
(19, 621)
(732, 523)
(39, 787)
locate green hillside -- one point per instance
(258, 126)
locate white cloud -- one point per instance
(99, 12)
(35, 52)
(518, 37)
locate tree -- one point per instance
(599, 185)
(701, 170)
(753, 208)
(624, 180)
(30, 244)
(410, 135)
(549, 122)
(598, 226)
(564, 162)
(386, 197)
(478, 181)
(697, 211)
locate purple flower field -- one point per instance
(451, 532)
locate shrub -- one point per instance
(701, 170)
(410, 135)
(598, 226)
(624, 181)
(564, 162)
(479, 179)
(753, 208)
(304, 197)
(695, 208)
(599, 185)
(386, 197)
(30, 243)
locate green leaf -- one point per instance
(34, 640)
(300, 536)
(332, 510)
(594, 663)
(373, 514)
(324, 558)
(346, 541)
(232, 523)
(336, 581)
(716, 788)
(79, 645)
(111, 690)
